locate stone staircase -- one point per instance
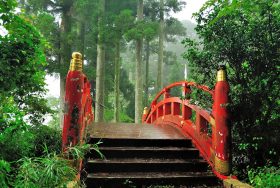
(138, 162)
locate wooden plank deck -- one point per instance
(133, 131)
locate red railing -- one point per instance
(78, 106)
(208, 130)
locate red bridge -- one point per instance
(178, 144)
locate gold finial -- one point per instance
(76, 62)
(145, 112)
(221, 75)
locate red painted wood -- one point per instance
(177, 112)
(78, 109)
(222, 135)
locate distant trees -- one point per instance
(244, 35)
(60, 36)
(160, 10)
(120, 25)
(73, 26)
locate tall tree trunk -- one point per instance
(82, 37)
(117, 84)
(160, 53)
(65, 44)
(61, 98)
(147, 73)
(139, 83)
(100, 67)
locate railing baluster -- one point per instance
(167, 108)
(201, 124)
(186, 111)
(166, 93)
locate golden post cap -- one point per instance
(145, 112)
(221, 74)
(76, 62)
(77, 55)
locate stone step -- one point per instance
(146, 165)
(142, 142)
(146, 152)
(142, 179)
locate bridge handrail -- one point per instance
(177, 111)
(184, 84)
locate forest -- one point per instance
(131, 50)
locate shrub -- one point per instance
(46, 137)
(265, 177)
(49, 171)
(16, 144)
(5, 168)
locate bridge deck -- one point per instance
(133, 131)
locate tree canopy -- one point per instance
(243, 35)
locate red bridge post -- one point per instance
(221, 130)
(77, 87)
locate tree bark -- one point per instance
(117, 84)
(82, 37)
(62, 94)
(160, 53)
(146, 98)
(139, 83)
(100, 67)
(65, 56)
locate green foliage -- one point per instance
(53, 103)
(95, 147)
(6, 8)
(49, 171)
(11, 118)
(27, 155)
(173, 29)
(18, 140)
(78, 151)
(142, 29)
(45, 137)
(16, 144)
(265, 177)
(22, 64)
(121, 23)
(244, 35)
(5, 169)
(109, 116)
(128, 100)
(15, 140)
(152, 7)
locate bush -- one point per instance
(49, 171)
(265, 177)
(46, 137)
(16, 145)
(5, 168)
(29, 142)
